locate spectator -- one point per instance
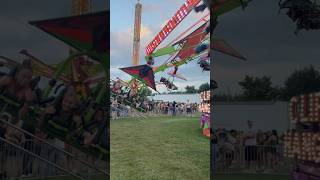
(230, 142)
(114, 109)
(250, 145)
(272, 142)
(260, 149)
(174, 108)
(188, 107)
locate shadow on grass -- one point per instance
(94, 177)
(251, 177)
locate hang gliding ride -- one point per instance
(193, 44)
(84, 71)
(305, 13)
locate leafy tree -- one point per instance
(204, 87)
(306, 80)
(191, 90)
(255, 88)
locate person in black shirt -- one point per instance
(174, 104)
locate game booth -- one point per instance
(302, 141)
(204, 107)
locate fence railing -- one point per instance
(32, 158)
(265, 159)
(24, 154)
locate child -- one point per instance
(117, 87)
(18, 88)
(58, 117)
(93, 130)
(63, 112)
(94, 127)
(76, 137)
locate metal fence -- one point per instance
(36, 159)
(17, 163)
(123, 111)
(249, 159)
(23, 154)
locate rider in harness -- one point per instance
(94, 130)
(58, 117)
(117, 87)
(16, 90)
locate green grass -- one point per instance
(251, 177)
(159, 148)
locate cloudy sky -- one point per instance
(265, 37)
(154, 17)
(268, 41)
(17, 34)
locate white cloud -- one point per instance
(121, 50)
(122, 44)
(150, 8)
(145, 32)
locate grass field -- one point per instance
(159, 148)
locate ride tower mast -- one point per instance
(136, 35)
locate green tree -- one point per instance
(204, 87)
(255, 88)
(303, 81)
(190, 90)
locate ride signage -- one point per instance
(185, 9)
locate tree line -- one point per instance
(192, 89)
(302, 81)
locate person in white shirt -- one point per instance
(229, 149)
(250, 143)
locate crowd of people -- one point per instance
(151, 107)
(175, 108)
(64, 115)
(126, 97)
(257, 149)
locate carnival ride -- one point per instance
(195, 46)
(85, 71)
(305, 13)
(204, 107)
(190, 45)
(86, 33)
(302, 141)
